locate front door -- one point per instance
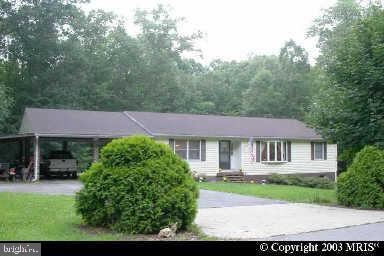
(225, 154)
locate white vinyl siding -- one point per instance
(210, 166)
(300, 161)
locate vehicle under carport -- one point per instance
(48, 156)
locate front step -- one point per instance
(232, 176)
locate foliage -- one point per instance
(280, 192)
(362, 184)
(297, 180)
(58, 56)
(5, 99)
(138, 186)
(289, 78)
(349, 107)
(258, 86)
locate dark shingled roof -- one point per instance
(78, 123)
(116, 124)
(222, 126)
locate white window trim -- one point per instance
(322, 150)
(283, 149)
(187, 159)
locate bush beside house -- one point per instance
(297, 180)
(362, 185)
(138, 186)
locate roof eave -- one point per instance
(238, 137)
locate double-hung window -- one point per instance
(181, 148)
(274, 151)
(319, 151)
(188, 149)
(194, 149)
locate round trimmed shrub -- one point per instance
(138, 186)
(362, 185)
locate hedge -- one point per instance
(303, 181)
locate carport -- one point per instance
(28, 143)
(93, 127)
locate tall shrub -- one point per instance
(362, 185)
(138, 186)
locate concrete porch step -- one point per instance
(232, 176)
(230, 173)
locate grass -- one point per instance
(48, 217)
(281, 192)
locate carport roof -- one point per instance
(78, 123)
(94, 124)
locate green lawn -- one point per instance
(47, 217)
(282, 192)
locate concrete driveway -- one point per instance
(48, 187)
(232, 216)
(208, 199)
(366, 232)
(214, 199)
(264, 221)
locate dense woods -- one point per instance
(55, 55)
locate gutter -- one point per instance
(234, 137)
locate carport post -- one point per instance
(95, 150)
(37, 158)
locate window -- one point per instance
(181, 148)
(319, 150)
(264, 149)
(188, 149)
(272, 154)
(278, 153)
(194, 149)
(274, 151)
